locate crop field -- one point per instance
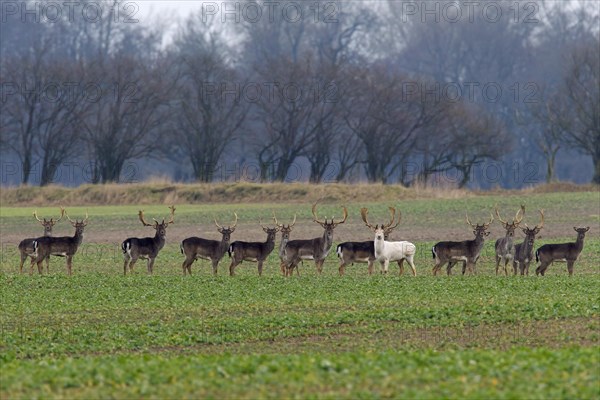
(99, 334)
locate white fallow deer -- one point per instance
(315, 249)
(26, 245)
(64, 246)
(148, 247)
(466, 251)
(257, 252)
(364, 252)
(285, 237)
(505, 248)
(524, 251)
(568, 252)
(385, 251)
(195, 247)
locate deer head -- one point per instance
(581, 232)
(328, 226)
(78, 225)
(285, 229)
(511, 227)
(160, 227)
(531, 232)
(48, 224)
(480, 231)
(226, 232)
(381, 231)
(271, 232)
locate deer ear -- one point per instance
(575, 228)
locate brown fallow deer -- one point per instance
(194, 248)
(26, 245)
(386, 252)
(285, 237)
(146, 248)
(64, 246)
(466, 251)
(252, 251)
(505, 248)
(524, 251)
(568, 252)
(364, 252)
(315, 249)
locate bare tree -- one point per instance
(127, 119)
(211, 103)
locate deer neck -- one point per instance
(270, 244)
(78, 238)
(379, 245)
(223, 246)
(579, 242)
(160, 240)
(326, 242)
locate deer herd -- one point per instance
(293, 252)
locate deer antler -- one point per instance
(234, 223)
(275, 220)
(141, 217)
(86, 217)
(62, 213)
(363, 213)
(469, 222)
(538, 227)
(491, 220)
(293, 222)
(219, 227)
(499, 217)
(36, 217)
(518, 220)
(315, 218)
(261, 225)
(171, 220)
(389, 226)
(343, 220)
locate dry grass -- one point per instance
(161, 191)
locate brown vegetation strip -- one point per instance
(242, 192)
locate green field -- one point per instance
(98, 334)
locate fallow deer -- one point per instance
(64, 246)
(252, 251)
(386, 251)
(364, 252)
(466, 251)
(26, 245)
(505, 249)
(285, 237)
(194, 248)
(568, 252)
(524, 251)
(315, 249)
(148, 247)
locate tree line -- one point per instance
(371, 88)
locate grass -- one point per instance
(98, 334)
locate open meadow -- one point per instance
(99, 334)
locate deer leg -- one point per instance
(260, 268)
(69, 264)
(341, 268)
(48, 265)
(527, 268)
(319, 264)
(515, 264)
(386, 265)
(232, 266)
(412, 265)
(506, 261)
(498, 264)
(570, 265)
(23, 258)
(449, 267)
(370, 266)
(215, 266)
(401, 267)
(132, 263)
(466, 265)
(184, 266)
(150, 265)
